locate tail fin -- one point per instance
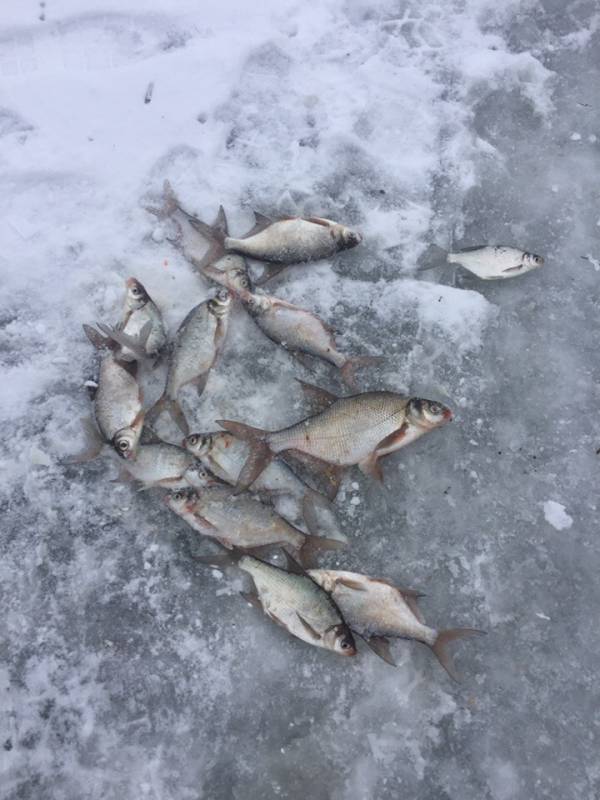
(93, 443)
(443, 639)
(137, 344)
(313, 545)
(433, 257)
(348, 371)
(270, 271)
(172, 406)
(100, 342)
(260, 453)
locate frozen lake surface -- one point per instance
(128, 671)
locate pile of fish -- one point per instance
(226, 484)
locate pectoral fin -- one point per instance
(350, 584)
(394, 438)
(381, 647)
(313, 634)
(370, 466)
(253, 599)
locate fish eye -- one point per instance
(435, 408)
(123, 445)
(193, 439)
(178, 495)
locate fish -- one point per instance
(118, 405)
(224, 455)
(229, 270)
(141, 331)
(301, 331)
(159, 464)
(355, 430)
(242, 521)
(196, 347)
(293, 600)
(488, 262)
(282, 242)
(376, 610)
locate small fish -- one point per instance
(351, 430)
(242, 521)
(118, 405)
(196, 347)
(292, 599)
(488, 262)
(376, 610)
(224, 455)
(228, 270)
(160, 464)
(300, 331)
(289, 240)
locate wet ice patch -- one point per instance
(557, 516)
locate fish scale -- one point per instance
(288, 241)
(118, 400)
(348, 431)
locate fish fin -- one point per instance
(213, 234)
(350, 584)
(313, 505)
(253, 599)
(393, 438)
(348, 371)
(149, 436)
(291, 564)
(315, 635)
(381, 647)
(443, 639)
(318, 396)
(93, 444)
(270, 270)
(411, 602)
(315, 544)
(261, 221)
(136, 344)
(260, 453)
(200, 384)
(330, 474)
(318, 221)
(100, 342)
(433, 257)
(205, 265)
(220, 223)
(304, 358)
(219, 560)
(123, 477)
(174, 409)
(513, 269)
(371, 467)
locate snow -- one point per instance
(128, 670)
(556, 515)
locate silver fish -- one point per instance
(298, 604)
(377, 610)
(290, 240)
(160, 464)
(242, 521)
(224, 455)
(488, 262)
(301, 331)
(351, 430)
(212, 264)
(196, 347)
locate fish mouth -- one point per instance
(349, 651)
(448, 415)
(130, 283)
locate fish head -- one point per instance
(135, 296)
(347, 238)
(125, 442)
(339, 639)
(201, 478)
(181, 500)
(238, 280)
(220, 304)
(199, 444)
(428, 413)
(532, 261)
(257, 303)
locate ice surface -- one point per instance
(556, 515)
(126, 670)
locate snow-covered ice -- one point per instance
(128, 671)
(556, 514)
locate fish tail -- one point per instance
(137, 344)
(433, 257)
(443, 639)
(318, 513)
(165, 403)
(315, 544)
(348, 371)
(222, 560)
(260, 456)
(100, 342)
